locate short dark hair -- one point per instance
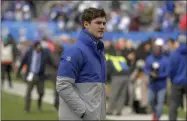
(36, 44)
(91, 13)
(171, 40)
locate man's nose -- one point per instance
(102, 26)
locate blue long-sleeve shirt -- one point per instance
(163, 72)
(178, 65)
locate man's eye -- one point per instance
(98, 22)
(101, 23)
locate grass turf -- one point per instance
(49, 84)
(13, 109)
(181, 112)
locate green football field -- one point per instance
(13, 109)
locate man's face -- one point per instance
(38, 48)
(157, 50)
(171, 45)
(147, 47)
(96, 27)
(107, 44)
(122, 43)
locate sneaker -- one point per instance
(154, 117)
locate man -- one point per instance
(51, 72)
(178, 75)
(9, 55)
(171, 45)
(156, 67)
(119, 85)
(82, 72)
(144, 49)
(139, 88)
(121, 69)
(36, 59)
(109, 50)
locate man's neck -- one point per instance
(95, 39)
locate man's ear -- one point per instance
(86, 24)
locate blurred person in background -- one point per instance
(18, 10)
(182, 23)
(135, 23)
(169, 47)
(139, 88)
(119, 84)
(124, 22)
(114, 20)
(171, 44)
(168, 24)
(9, 55)
(47, 44)
(57, 54)
(139, 78)
(180, 11)
(131, 62)
(135, 101)
(125, 47)
(121, 68)
(109, 50)
(128, 52)
(144, 49)
(23, 47)
(51, 72)
(157, 68)
(82, 71)
(178, 75)
(109, 47)
(36, 59)
(146, 12)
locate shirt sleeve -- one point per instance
(147, 66)
(70, 63)
(166, 70)
(172, 65)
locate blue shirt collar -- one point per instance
(88, 39)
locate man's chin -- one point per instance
(101, 37)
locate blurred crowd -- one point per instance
(134, 55)
(125, 16)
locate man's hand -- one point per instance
(153, 75)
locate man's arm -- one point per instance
(70, 66)
(23, 61)
(51, 59)
(147, 66)
(172, 64)
(166, 70)
(15, 51)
